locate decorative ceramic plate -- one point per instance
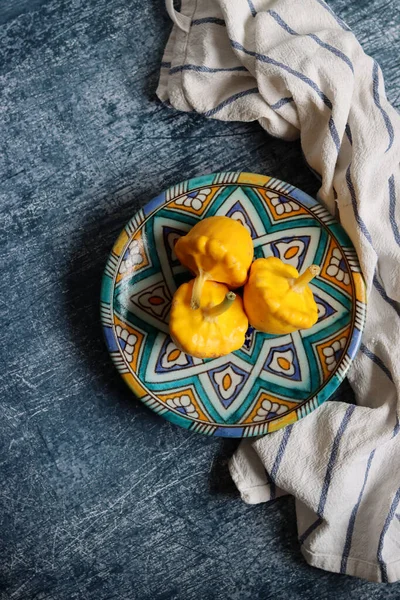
(272, 380)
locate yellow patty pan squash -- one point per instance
(216, 249)
(216, 328)
(277, 299)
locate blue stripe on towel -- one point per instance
(214, 20)
(378, 361)
(384, 531)
(359, 220)
(379, 287)
(392, 210)
(334, 50)
(377, 100)
(281, 102)
(332, 459)
(352, 520)
(278, 459)
(340, 21)
(204, 69)
(350, 528)
(328, 474)
(281, 22)
(309, 530)
(251, 7)
(314, 37)
(272, 61)
(301, 76)
(349, 134)
(334, 133)
(213, 111)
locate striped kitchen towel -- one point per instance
(298, 69)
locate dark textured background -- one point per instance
(99, 498)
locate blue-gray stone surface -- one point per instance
(100, 499)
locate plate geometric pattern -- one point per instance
(272, 380)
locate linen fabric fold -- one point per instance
(298, 69)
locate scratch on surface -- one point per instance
(37, 412)
(395, 100)
(146, 573)
(175, 448)
(53, 552)
(125, 429)
(46, 43)
(48, 449)
(90, 152)
(28, 384)
(99, 515)
(168, 485)
(211, 464)
(22, 586)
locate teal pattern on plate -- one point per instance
(271, 381)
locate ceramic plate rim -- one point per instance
(147, 212)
